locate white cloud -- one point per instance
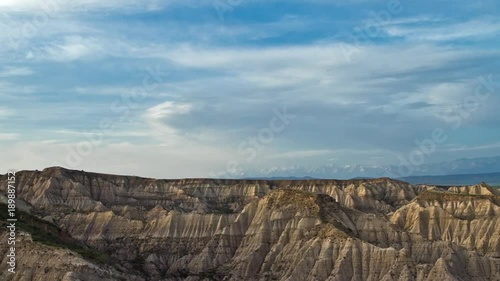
(302, 154)
(9, 136)
(15, 71)
(55, 6)
(72, 48)
(460, 147)
(321, 71)
(158, 118)
(326, 55)
(419, 19)
(118, 158)
(167, 109)
(6, 112)
(469, 30)
(117, 133)
(220, 93)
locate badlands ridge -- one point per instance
(75, 225)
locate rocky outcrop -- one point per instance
(39, 262)
(206, 229)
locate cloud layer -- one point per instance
(168, 89)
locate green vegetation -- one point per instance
(48, 234)
(301, 200)
(138, 263)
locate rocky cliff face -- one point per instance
(105, 227)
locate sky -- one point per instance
(225, 88)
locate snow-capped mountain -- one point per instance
(459, 166)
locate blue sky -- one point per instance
(199, 88)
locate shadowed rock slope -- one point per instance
(88, 226)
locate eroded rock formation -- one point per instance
(204, 229)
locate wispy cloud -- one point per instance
(461, 147)
(9, 136)
(226, 77)
(302, 154)
(80, 5)
(71, 48)
(159, 118)
(6, 112)
(477, 29)
(15, 71)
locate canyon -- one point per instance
(76, 225)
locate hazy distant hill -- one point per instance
(332, 171)
(492, 179)
(463, 179)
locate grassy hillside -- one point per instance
(46, 233)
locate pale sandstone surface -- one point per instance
(203, 229)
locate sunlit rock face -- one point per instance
(204, 229)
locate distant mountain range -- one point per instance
(330, 171)
(467, 179)
(492, 179)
